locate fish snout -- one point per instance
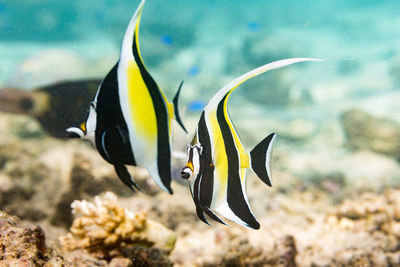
(75, 132)
(186, 172)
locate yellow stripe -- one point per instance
(171, 111)
(190, 165)
(141, 104)
(170, 107)
(220, 157)
(83, 126)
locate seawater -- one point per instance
(208, 43)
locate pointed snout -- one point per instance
(74, 132)
(185, 174)
(187, 171)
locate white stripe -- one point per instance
(103, 145)
(268, 158)
(126, 50)
(226, 211)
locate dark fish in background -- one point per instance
(55, 106)
(217, 161)
(130, 118)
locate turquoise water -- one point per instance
(275, 29)
(208, 43)
(337, 121)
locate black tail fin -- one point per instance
(176, 110)
(260, 159)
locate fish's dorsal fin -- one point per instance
(220, 95)
(131, 35)
(177, 116)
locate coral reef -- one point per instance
(83, 182)
(25, 246)
(368, 132)
(107, 231)
(235, 249)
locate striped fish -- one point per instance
(217, 161)
(129, 120)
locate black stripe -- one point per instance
(110, 122)
(163, 146)
(201, 209)
(206, 171)
(235, 197)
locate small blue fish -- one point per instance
(194, 70)
(253, 26)
(167, 40)
(196, 105)
(217, 161)
(129, 120)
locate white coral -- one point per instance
(102, 226)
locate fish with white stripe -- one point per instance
(217, 161)
(129, 120)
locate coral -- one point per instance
(107, 230)
(367, 230)
(367, 132)
(82, 183)
(233, 247)
(25, 246)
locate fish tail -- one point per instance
(176, 109)
(260, 159)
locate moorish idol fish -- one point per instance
(217, 161)
(129, 119)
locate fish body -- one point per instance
(217, 160)
(132, 116)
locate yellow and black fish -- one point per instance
(217, 160)
(130, 118)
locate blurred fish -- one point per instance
(129, 120)
(167, 40)
(253, 26)
(217, 160)
(194, 70)
(49, 106)
(196, 105)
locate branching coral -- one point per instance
(107, 230)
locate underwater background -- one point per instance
(335, 198)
